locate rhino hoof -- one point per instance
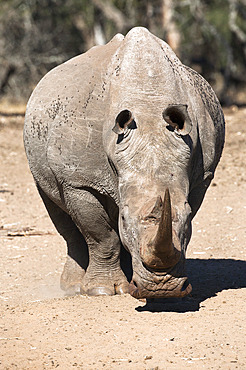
(74, 290)
(122, 288)
(100, 290)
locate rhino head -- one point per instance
(151, 159)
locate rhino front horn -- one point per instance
(160, 253)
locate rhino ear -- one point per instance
(176, 115)
(123, 121)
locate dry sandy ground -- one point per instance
(42, 329)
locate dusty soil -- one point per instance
(40, 328)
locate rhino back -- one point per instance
(63, 125)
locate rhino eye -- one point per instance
(123, 121)
(177, 117)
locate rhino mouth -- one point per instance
(170, 287)
(146, 283)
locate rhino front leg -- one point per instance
(77, 250)
(96, 217)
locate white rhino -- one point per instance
(123, 142)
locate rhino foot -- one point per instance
(74, 281)
(100, 290)
(122, 288)
(72, 277)
(105, 282)
(75, 289)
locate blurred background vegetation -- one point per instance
(37, 35)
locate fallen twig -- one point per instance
(25, 231)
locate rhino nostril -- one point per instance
(134, 290)
(134, 282)
(185, 285)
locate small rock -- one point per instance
(148, 357)
(229, 209)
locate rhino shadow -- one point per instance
(207, 277)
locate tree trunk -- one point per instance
(169, 25)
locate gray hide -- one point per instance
(123, 142)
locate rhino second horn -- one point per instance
(161, 253)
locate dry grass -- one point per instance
(8, 107)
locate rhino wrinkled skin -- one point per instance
(123, 142)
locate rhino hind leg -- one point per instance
(96, 217)
(77, 257)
